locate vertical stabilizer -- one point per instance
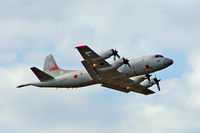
(50, 64)
(52, 68)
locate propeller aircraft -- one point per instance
(122, 74)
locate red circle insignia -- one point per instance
(76, 76)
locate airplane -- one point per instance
(122, 74)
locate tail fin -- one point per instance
(50, 64)
(51, 67)
(42, 76)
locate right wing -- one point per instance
(111, 78)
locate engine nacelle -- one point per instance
(106, 54)
(139, 79)
(147, 84)
(114, 65)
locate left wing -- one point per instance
(111, 78)
(126, 85)
(96, 62)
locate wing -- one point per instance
(96, 62)
(126, 85)
(110, 78)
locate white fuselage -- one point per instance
(139, 66)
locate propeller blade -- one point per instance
(126, 62)
(157, 83)
(129, 65)
(114, 58)
(118, 56)
(115, 54)
(148, 77)
(125, 65)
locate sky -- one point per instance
(30, 30)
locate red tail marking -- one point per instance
(54, 68)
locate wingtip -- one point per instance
(149, 93)
(32, 68)
(81, 46)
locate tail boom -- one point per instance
(20, 86)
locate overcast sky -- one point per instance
(30, 30)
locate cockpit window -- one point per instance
(156, 56)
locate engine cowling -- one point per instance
(106, 54)
(147, 84)
(114, 65)
(139, 79)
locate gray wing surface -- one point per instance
(110, 78)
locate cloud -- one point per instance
(174, 109)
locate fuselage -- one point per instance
(139, 66)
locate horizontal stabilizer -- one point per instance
(42, 76)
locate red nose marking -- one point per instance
(76, 76)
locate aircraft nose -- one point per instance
(168, 62)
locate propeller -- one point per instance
(157, 82)
(115, 54)
(126, 62)
(148, 77)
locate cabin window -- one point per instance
(157, 56)
(147, 66)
